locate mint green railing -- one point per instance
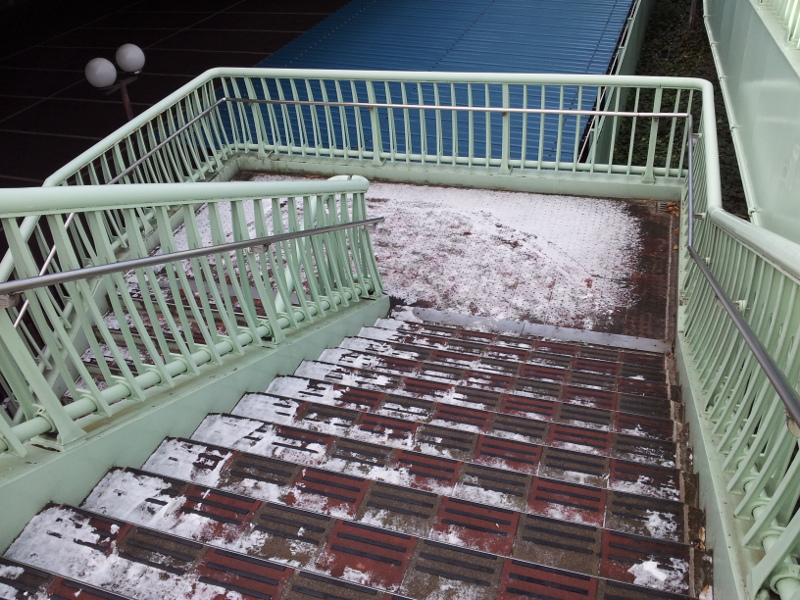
(89, 343)
(754, 442)
(788, 13)
(387, 123)
(634, 145)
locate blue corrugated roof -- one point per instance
(508, 36)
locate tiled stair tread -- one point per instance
(473, 340)
(449, 430)
(18, 580)
(439, 382)
(493, 358)
(343, 497)
(315, 448)
(546, 383)
(172, 565)
(297, 535)
(269, 479)
(476, 410)
(414, 461)
(523, 377)
(149, 564)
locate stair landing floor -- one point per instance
(588, 263)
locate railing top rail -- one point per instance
(24, 202)
(11, 289)
(33, 203)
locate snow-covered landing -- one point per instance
(557, 260)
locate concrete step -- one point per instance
(419, 460)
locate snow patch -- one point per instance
(125, 495)
(281, 411)
(670, 578)
(10, 571)
(544, 266)
(661, 525)
(187, 461)
(230, 432)
(406, 313)
(48, 542)
(644, 486)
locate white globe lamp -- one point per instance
(130, 58)
(100, 72)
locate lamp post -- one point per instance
(102, 74)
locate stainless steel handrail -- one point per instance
(497, 109)
(372, 105)
(784, 389)
(10, 290)
(782, 386)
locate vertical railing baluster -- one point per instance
(375, 125)
(314, 116)
(576, 143)
(471, 124)
(505, 152)
(634, 122)
(542, 125)
(454, 126)
(423, 130)
(523, 154)
(438, 120)
(487, 102)
(409, 141)
(649, 175)
(560, 131)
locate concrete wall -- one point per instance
(760, 80)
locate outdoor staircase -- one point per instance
(418, 460)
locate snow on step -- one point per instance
(525, 348)
(19, 581)
(440, 382)
(638, 418)
(202, 514)
(370, 354)
(434, 379)
(153, 565)
(317, 449)
(450, 381)
(149, 564)
(360, 344)
(73, 544)
(570, 428)
(269, 479)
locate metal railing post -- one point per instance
(375, 125)
(649, 176)
(505, 157)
